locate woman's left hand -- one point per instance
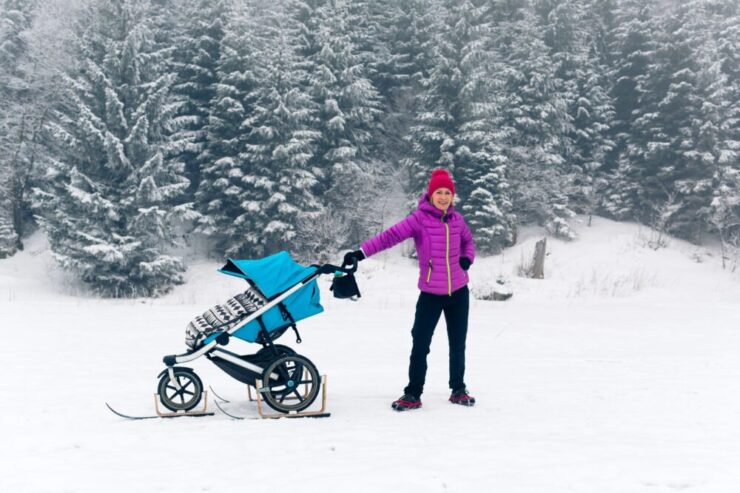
(465, 263)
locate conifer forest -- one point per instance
(132, 129)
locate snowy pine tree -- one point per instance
(683, 108)
(581, 82)
(281, 142)
(633, 52)
(408, 33)
(725, 213)
(257, 177)
(439, 104)
(15, 121)
(225, 194)
(113, 193)
(349, 108)
(455, 123)
(533, 119)
(724, 75)
(593, 114)
(674, 154)
(197, 50)
(721, 76)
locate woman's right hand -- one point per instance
(355, 256)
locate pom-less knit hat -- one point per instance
(440, 179)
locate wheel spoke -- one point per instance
(184, 378)
(291, 368)
(283, 372)
(276, 386)
(184, 382)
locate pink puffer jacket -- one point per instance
(441, 239)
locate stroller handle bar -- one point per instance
(171, 360)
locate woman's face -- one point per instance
(442, 198)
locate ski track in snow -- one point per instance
(617, 373)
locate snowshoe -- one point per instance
(462, 397)
(406, 402)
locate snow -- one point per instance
(617, 373)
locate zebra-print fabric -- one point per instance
(222, 317)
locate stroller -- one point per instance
(281, 292)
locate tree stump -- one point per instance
(538, 267)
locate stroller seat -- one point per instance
(222, 317)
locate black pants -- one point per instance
(428, 310)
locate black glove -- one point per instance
(349, 256)
(465, 263)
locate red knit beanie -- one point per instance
(440, 179)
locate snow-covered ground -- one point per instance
(617, 373)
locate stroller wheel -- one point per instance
(184, 393)
(290, 383)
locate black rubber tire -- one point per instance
(287, 384)
(175, 400)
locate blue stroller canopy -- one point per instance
(273, 275)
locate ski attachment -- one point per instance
(300, 414)
(175, 414)
(155, 416)
(217, 396)
(261, 418)
(233, 416)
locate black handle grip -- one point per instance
(331, 269)
(352, 268)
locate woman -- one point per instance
(445, 249)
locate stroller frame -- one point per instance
(215, 347)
